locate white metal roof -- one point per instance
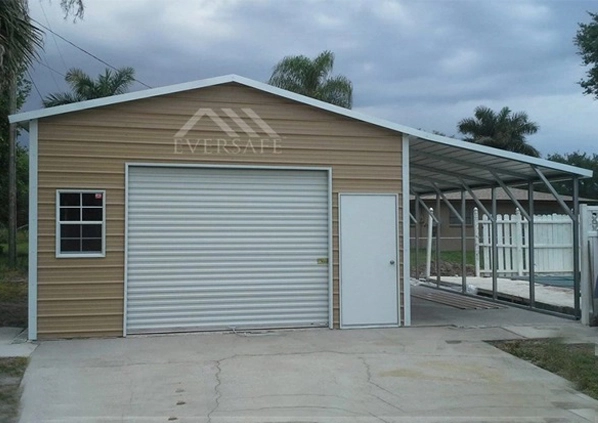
(436, 162)
(485, 194)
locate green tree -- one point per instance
(20, 41)
(586, 40)
(22, 157)
(19, 38)
(83, 87)
(504, 130)
(311, 77)
(588, 188)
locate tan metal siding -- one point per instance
(89, 149)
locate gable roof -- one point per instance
(429, 153)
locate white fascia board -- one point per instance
(116, 99)
(171, 89)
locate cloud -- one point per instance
(425, 64)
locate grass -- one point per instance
(22, 252)
(13, 282)
(447, 256)
(11, 373)
(577, 363)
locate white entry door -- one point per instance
(368, 259)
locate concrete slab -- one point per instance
(555, 295)
(428, 313)
(13, 343)
(430, 374)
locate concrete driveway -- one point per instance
(431, 374)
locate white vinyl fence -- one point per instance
(553, 244)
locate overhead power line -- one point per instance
(83, 50)
(41, 3)
(35, 85)
(51, 68)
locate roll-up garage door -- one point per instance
(216, 248)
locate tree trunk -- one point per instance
(12, 176)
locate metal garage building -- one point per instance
(230, 204)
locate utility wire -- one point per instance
(44, 62)
(35, 85)
(41, 3)
(52, 69)
(83, 50)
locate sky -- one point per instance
(425, 64)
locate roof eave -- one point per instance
(153, 92)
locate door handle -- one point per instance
(392, 262)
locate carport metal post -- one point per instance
(494, 245)
(463, 243)
(438, 240)
(417, 229)
(531, 245)
(574, 215)
(460, 215)
(576, 246)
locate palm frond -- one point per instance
(292, 73)
(505, 130)
(337, 91)
(73, 7)
(19, 38)
(305, 76)
(83, 87)
(58, 99)
(121, 81)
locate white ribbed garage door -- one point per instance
(215, 248)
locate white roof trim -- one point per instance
(171, 89)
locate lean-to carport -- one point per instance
(438, 165)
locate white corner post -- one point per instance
(476, 240)
(586, 279)
(463, 243)
(531, 246)
(437, 252)
(494, 246)
(576, 250)
(518, 242)
(429, 243)
(406, 233)
(32, 272)
(417, 235)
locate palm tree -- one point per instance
(19, 42)
(19, 38)
(303, 75)
(504, 130)
(83, 87)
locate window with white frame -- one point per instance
(80, 223)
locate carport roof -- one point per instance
(436, 162)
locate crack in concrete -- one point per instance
(290, 395)
(362, 359)
(216, 389)
(301, 407)
(371, 382)
(378, 417)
